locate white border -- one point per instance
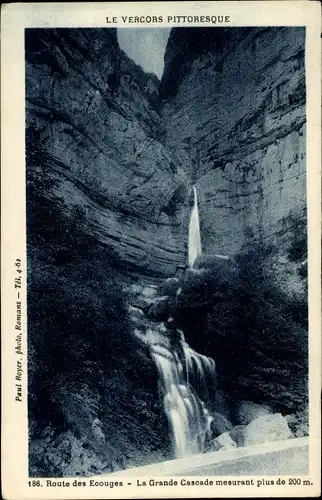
(15, 17)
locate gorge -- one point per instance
(166, 233)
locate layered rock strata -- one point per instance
(234, 118)
(98, 121)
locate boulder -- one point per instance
(247, 411)
(141, 302)
(237, 435)
(299, 423)
(159, 309)
(222, 442)
(149, 292)
(266, 428)
(220, 424)
(140, 297)
(135, 312)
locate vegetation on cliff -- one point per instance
(255, 331)
(92, 383)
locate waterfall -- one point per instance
(194, 240)
(188, 416)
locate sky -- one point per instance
(145, 46)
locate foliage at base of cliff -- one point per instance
(92, 383)
(256, 333)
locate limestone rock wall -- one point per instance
(232, 121)
(98, 121)
(234, 118)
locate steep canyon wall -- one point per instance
(234, 118)
(232, 121)
(97, 117)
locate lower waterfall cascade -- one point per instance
(189, 419)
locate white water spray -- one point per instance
(194, 240)
(188, 416)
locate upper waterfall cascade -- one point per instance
(194, 239)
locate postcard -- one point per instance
(161, 201)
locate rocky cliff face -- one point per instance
(103, 194)
(233, 122)
(98, 121)
(234, 118)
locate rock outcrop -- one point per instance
(263, 429)
(247, 411)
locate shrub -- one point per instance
(255, 332)
(79, 328)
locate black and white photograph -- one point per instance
(166, 273)
(167, 248)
